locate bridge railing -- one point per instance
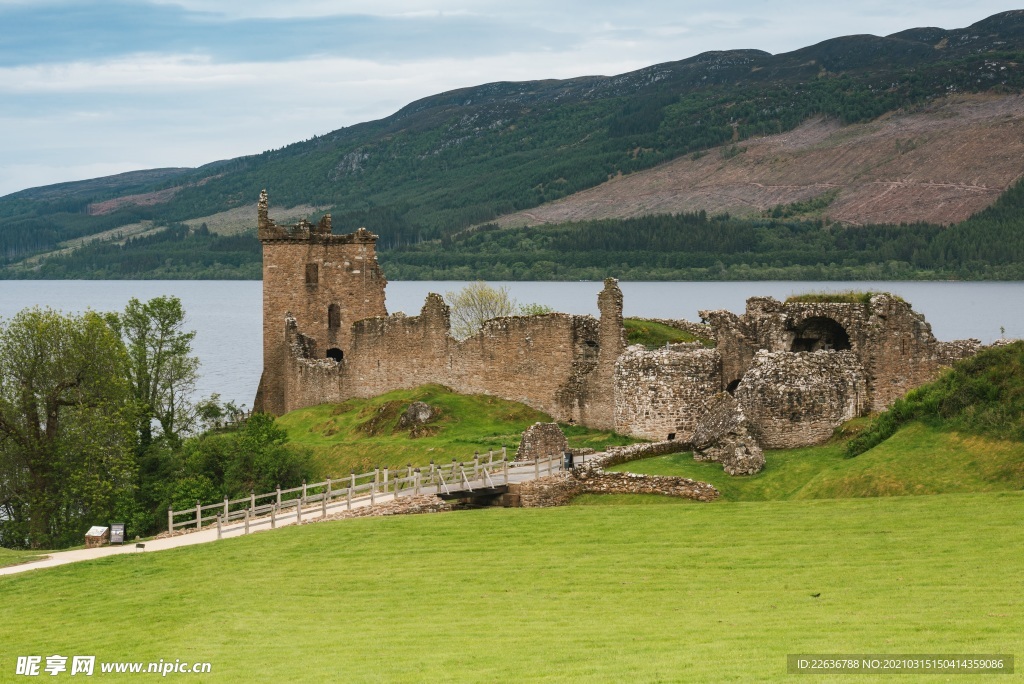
(357, 489)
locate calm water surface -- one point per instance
(226, 314)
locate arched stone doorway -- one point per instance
(820, 332)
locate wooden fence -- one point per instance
(345, 492)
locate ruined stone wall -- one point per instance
(542, 361)
(324, 282)
(561, 488)
(542, 440)
(796, 399)
(893, 344)
(662, 392)
(553, 362)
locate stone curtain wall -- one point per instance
(558, 363)
(658, 393)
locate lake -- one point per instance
(226, 314)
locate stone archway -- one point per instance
(820, 332)
(336, 354)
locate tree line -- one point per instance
(98, 423)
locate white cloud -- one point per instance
(68, 121)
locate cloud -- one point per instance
(118, 85)
(96, 29)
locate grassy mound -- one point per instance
(981, 395)
(575, 594)
(919, 459)
(844, 297)
(361, 434)
(653, 335)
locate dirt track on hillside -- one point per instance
(940, 165)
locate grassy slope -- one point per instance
(363, 433)
(11, 557)
(652, 334)
(919, 459)
(611, 593)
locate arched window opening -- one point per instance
(333, 317)
(336, 354)
(820, 332)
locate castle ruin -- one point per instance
(795, 370)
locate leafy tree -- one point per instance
(534, 309)
(162, 371)
(65, 446)
(476, 303)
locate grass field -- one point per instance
(12, 557)
(919, 459)
(361, 434)
(617, 593)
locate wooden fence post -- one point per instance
(199, 515)
(430, 474)
(278, 497)
(351, 486)
(218, 528)
(298, 511)
(246, 521)
(416, 481)
(385, 488)
(170, 519)
(504, 453)
(273, 516)
(225, 508)
(504, 467)
(476, 466)
(252, 501)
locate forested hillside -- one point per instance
(463, 158)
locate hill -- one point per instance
(938, 163)
(361, 434)
(466, 157)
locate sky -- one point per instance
(91, 88)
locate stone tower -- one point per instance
(324, 283)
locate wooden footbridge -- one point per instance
(481, 479)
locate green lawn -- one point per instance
(919, 459)
(9, 557)
(361, 434)
(649, 593)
